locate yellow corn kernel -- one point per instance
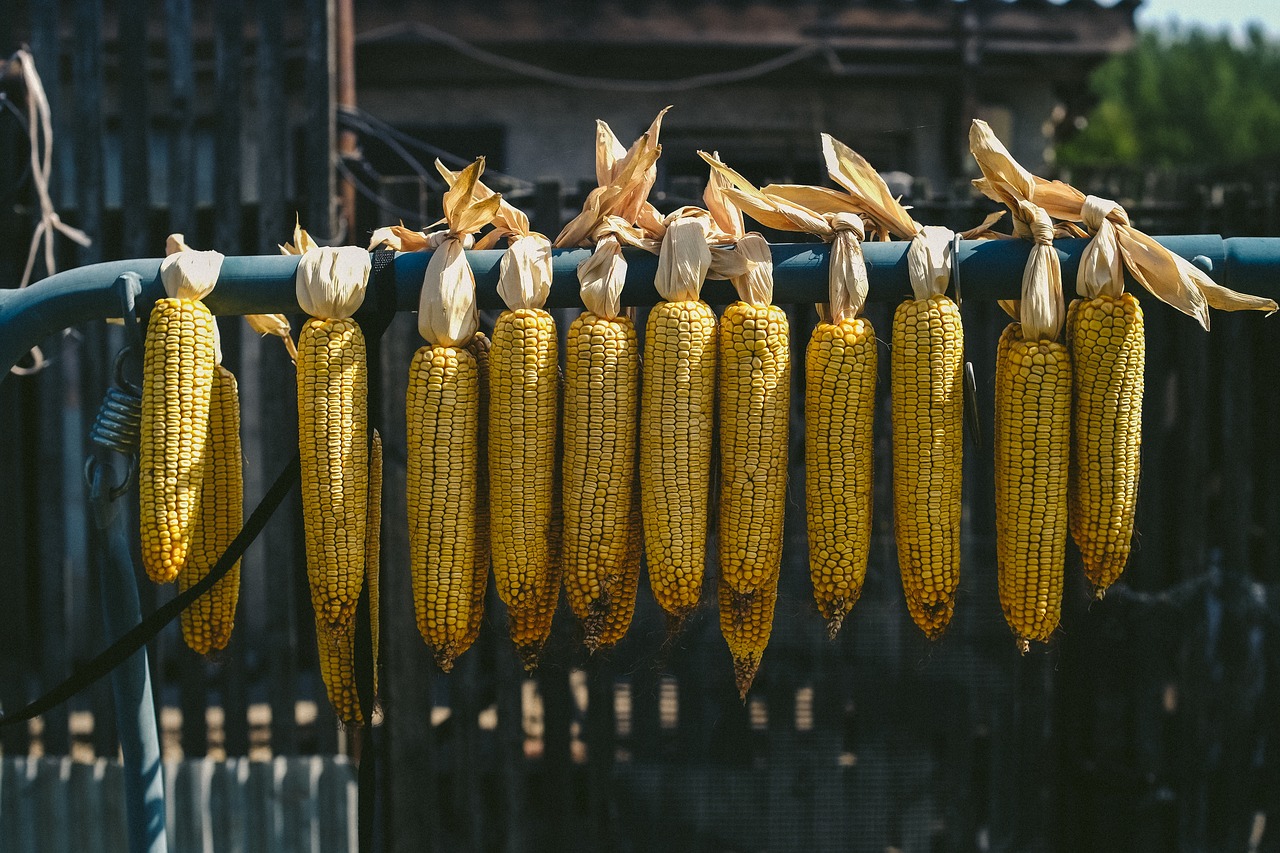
(676, 429)
(530, 626)
(602, 375)
(479, 349)
(178, 368)
(523, 383)
(207, 623)
(746, 622)
(623, 605)
(442, 409)
(755, 411)
(1032, 451)
(1108, 355)
(927, 386)
(336, 648)
(333, 438)
(840, 393)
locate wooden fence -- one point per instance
(1148, 724)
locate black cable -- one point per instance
(146, 630)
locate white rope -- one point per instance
(40, 128)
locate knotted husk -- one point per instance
(1170, 278)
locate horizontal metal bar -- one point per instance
(989, 269)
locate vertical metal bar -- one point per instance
(182, 137)
(135, 199)
(320, 126)
(131, 684)
(345, 40)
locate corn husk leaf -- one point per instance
(624, 190)
(1167, 276)
(684, 259)
(755, 286)
(331, 281)
(1041, 308)
(929, 261)
(302, 242)
(187, 273)
(851, 171)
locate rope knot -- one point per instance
(1097, 209)
(846, 223)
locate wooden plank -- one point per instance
(135, 124)
(182, 117)
(16, 633)
(193, 829)
(114, 827)
(52, 811)
(411, 749)
(228, 59)
(272, 131)
(262, 807)
(85, 798)
(229, 806)
(297, 787)
(336, 794)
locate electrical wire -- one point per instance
(428, 33)
(381, 130)
(403, 213)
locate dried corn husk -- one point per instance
(1167, 276)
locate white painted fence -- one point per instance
(57, 805)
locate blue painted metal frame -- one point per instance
(989, 269)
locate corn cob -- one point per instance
(178, 365)
(332, 424)
(337, 651)
(676, 427)
(373, 552)
(1107, 358)
(617, 618)
(522, 446)
(840, 381)
(840, 392)
(755, 403)
(479, 349)
(207, 623)
(602, 366)
(926, 376)
(1033, 445)
(530, 626)
(746, 622)
(601, 390)
(443, 411)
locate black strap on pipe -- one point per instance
(146, 630)
(375, 315)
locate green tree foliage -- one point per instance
(1184, 98)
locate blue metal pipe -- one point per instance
(989, 269)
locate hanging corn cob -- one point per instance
(443, 421)
(840, 382)
(207, 623)
(602, 376)
(479, 349)
(1107, 344)
(927, 393)
(1032, 443)
(677, 403)
(333, 425)
(523, 403)
(179, 363)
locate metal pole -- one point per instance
(989, 269)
